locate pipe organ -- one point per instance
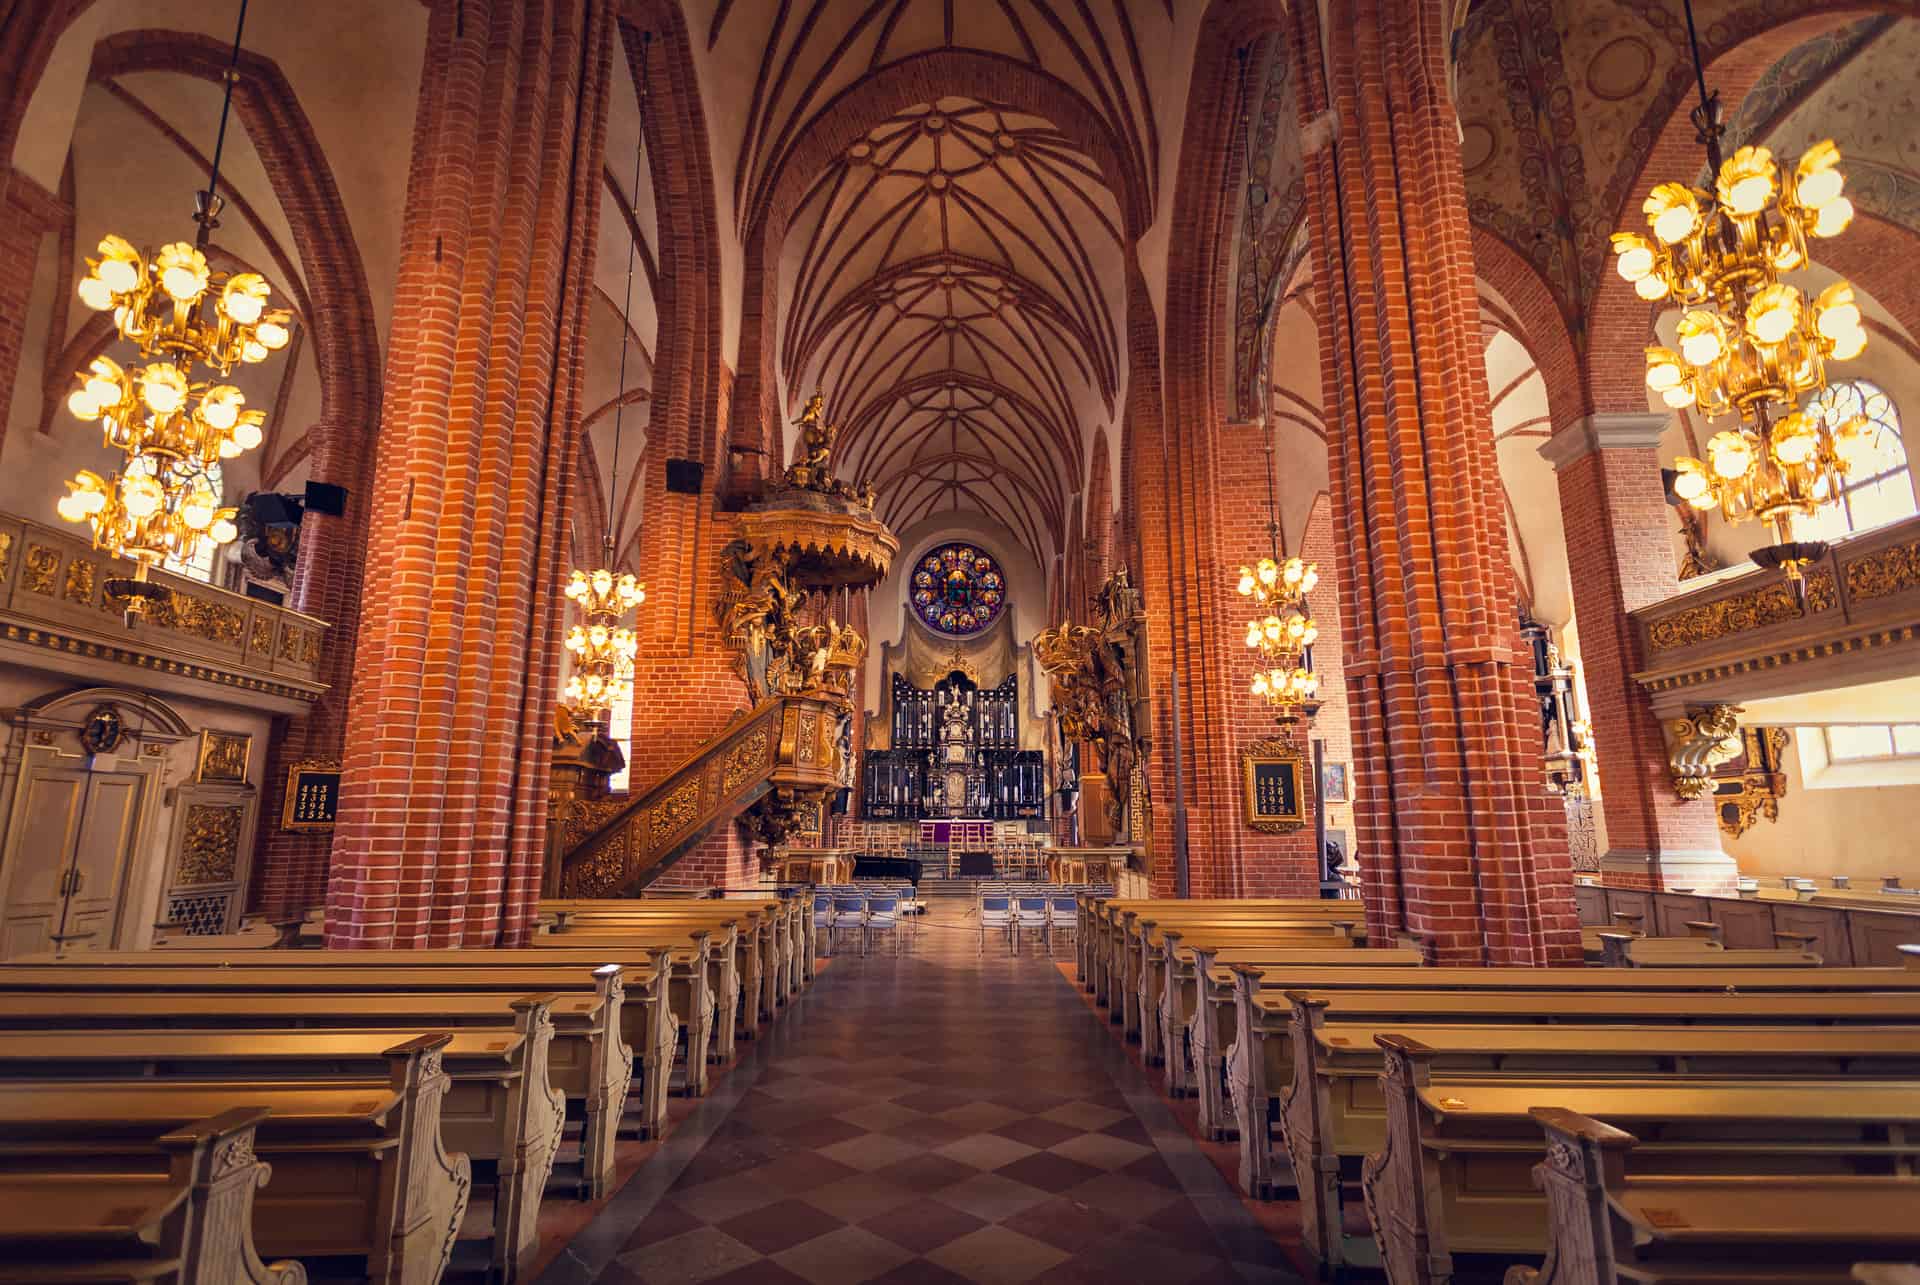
(955, 753)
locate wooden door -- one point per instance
(50, 804)
(103, 855)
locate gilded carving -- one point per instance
(1699, 743)
(210, 852)
(1883, 572)
(1755, 609)
(806, 746)
(674, 813)
(584, 816)
(6, 555)
(43, 566)
(604, 870)
(1821, 592)
(301, 646)
(262, 640)
(79, 581)
(743, 760)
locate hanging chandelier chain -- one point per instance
(626, 306)
(1706, 117)
(207, 208)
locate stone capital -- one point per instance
(1614, 431)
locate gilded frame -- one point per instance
(290, 805)
(223, 757)
(1271, 753)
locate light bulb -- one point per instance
(1792, 440)
(245, 297)
(1292, 572)
(1833, 218)
(253, 352)
(69, 508)
(96, 294)
(1850, 345)
(1270, 628)
(1663, 369)
(1253, 633)
(1730, 453)
(1259, 683)
(106, 383)
(1772, 314)
(228, 449)
(1310, 579)
(272, 330)
(602, 581)
(1747, 181)
(1673, 211)
(1635, 256)
(196, 511)
(119, 264)
(1691, 479)
(1309, 635)
(163, 387)
(141, 496)
(1817, 178)
(1786, 256)
(246, 433)
(220, 406)
(1245, 587)
(1679, 397)
(223, 530)
(183, 271)
(1838, 311)
(80, 401)
(1652, 288)
(1269, 572)
(1701, 339)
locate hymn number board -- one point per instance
(1273, 774)
(313, 797)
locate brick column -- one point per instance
(449, 725)
(27, 212)
(1620, 554)
(1456, 837)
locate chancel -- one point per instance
(688, 641)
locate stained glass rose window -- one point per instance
(958, 589)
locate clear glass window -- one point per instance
(1880, 488)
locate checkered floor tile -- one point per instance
(938, 1114)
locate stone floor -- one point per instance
(928, 1113)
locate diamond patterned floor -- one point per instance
(930, 1115)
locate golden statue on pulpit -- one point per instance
(813, 471)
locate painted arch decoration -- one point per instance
(958, 589)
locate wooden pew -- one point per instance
(1454, 1173)
(1331, 1113)
(1143, 982)
(785, 932)
(1128, 943)
(500, 1105)
(1609, 1228)
(592, 1018)
(732, 961)
(358, 1165)
(191, 1225)
(1196, 1009)
(1624, 950)
(1103, 920)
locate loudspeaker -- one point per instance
(264, 594)
(270, 508)
(684, 476)
(324, 497)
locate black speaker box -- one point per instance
(324, 497)
(684, 476)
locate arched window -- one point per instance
(1879, 490)
(200, 566)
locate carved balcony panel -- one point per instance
(1748, 636)
(55, 614)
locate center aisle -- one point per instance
(935, 1115)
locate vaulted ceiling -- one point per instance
(952, 277)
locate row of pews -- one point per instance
(212, 1117)
(1699, 1115)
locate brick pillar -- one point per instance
(27, 212)
(449, 725)
(1620, 554)
(1456, 834)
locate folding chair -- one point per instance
(1062, 913)
(1029, 911)
(883, 915)
(996, 911)
(823, 918)
(849, 911)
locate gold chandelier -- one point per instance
(1281, 637)
(170, 426)
(603, 648)
(1749, 343)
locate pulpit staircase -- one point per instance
(787, 747)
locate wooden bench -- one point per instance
(592, 1019)
(1331, 1113)
(1130, 944)
(358, 1166)
(1102, 926)
(499, 1107)
(1454, 1175)
(1607, 1227)
(189, 1225)
(784, 930)
(1624, 950)
(731, 960)
(1143, 982)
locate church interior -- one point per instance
(959, 640)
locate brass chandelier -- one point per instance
(1749, 343)
(604, 648)
(171, 426)
(1283, 632)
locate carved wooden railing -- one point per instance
(1743, 637)
(784, 742)
(53, 599)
